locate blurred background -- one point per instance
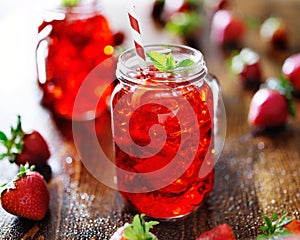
(163, 21)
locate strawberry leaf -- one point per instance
(14, 143)
(139, 229)
(3, 137)
(25, 170)
(275, 216)
(274, 227)
(70, 3)
(3, 155)
(284, 220)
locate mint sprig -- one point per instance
(14, 144)
(285, 88)
(139, 229)
(274, 227)
(166, 62)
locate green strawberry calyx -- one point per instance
(166, 62)
(139, 229)
(274, 227)
(285, 88)
(70, 3)
(24, 170)
(14, 144)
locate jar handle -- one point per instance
(219, 120)
(41, 53)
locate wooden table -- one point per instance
(255, 175)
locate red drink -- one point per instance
(159, 121)
(75, 40)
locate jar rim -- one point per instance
(128, 65)
(88, 6)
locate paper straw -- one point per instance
(136, 33)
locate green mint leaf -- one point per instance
(159, 60)
(130, 234)
(164, 63)
(70, 3)
(139, 229)
(170, 62)
(185, 63)
(137, 225)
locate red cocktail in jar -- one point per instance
(74, 40)
(163, 133)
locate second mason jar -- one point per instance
(72, 42)
(163, 131)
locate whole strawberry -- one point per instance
(274, 31)
(247, 67)
(271, 104)
(291, 70)
(26, 196)
(280, 228)
(24, 147)
(227, 30)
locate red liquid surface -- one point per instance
(186, 192)
(75, 47)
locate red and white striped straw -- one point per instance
(137, 38)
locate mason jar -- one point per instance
(164, 129)
(72, 41)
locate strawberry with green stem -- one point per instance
(279, 227)
(246, 65)
(24, 147)
(26, 195)
(291, 70)
(274, 31)
(139, 229)
(271, 104)
(227, 30)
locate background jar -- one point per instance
(72, 41)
